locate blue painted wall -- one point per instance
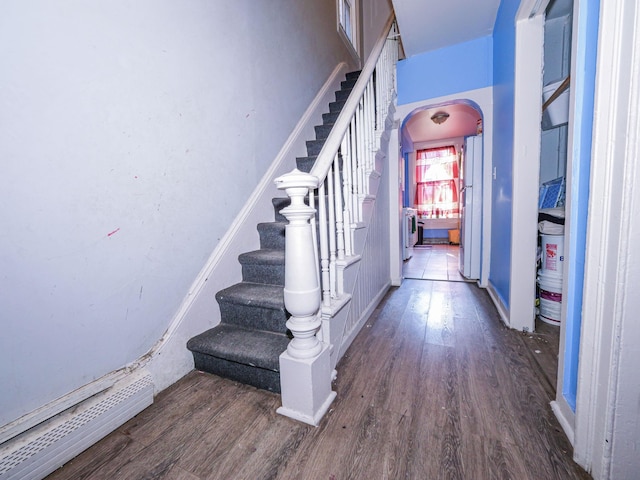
(459, 68)
(504, 36)
(583, 86)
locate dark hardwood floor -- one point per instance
(434, 387)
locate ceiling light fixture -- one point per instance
(439, 117)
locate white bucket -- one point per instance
(549, 282)
(552, 254)
(550, 297)
(557, 113)
(550, 312)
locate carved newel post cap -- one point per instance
(296, 178)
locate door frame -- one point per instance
(529, 55)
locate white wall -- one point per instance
(131, 134)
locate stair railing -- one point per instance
(315, 259)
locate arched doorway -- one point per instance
(424, 131)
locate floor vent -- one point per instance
(41, 450)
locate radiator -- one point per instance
(43, 449)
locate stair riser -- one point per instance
(342, 95)
(330, 117)
(336, 107)
(322, 131)
(250, 316)
(267, 274)
(305, 164)
(271, 236)
(348, 84)
(314, 147)
(257, 377)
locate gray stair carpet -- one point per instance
(252, 333)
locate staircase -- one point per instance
(247, 344)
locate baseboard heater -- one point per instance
(38, 452)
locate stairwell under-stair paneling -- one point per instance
(252, 334)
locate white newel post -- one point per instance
(305, 372)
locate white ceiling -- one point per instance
(427, 25)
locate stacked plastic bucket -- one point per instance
(550, 278)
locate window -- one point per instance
(345, 19)
(347, 24)
(437, 183)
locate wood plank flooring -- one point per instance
(433, 262)
(434, 387)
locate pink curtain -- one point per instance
(437, 182)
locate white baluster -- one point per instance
(324, 250)
(346, 190)
(332, 233)
(339, 209)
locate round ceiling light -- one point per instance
(439, 117)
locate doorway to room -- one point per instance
(440, 131)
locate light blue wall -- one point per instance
(459, 68)
(584, 87)
(504, 36)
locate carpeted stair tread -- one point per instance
(253, 294)
(242, 345)
(262, 256)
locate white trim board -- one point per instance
(607, 416)
(526, 162)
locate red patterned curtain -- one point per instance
(437, 182)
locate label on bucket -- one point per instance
(551, 256)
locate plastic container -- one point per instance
(550, 312)
(557, 113)
(552, 254)
(550, 287)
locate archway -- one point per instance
(418, 131)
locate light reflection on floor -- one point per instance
(433, 262)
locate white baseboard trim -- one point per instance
(565, 423)
(46, 447)
(503, 311)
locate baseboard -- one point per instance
(503, 311)
(46, 447)
(565, 423)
